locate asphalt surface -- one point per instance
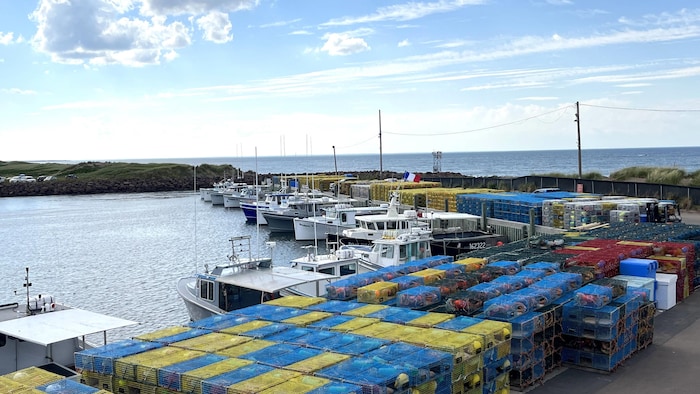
(671, 364)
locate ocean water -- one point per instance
(521, 163)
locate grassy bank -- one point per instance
(662, 175)
(109, 170)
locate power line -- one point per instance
(641, 109)
(483, 128)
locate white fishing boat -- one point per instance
(394, 249)
(46, 334)
(247, 194)
(333, 221)
(281, 220)
(369, 228)
(245, 280)
(278, 201)
(228, 187)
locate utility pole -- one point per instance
(578, 127)
(380, 146)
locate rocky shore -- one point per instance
(145, 184)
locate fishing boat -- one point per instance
(394, 249)
(244, 280)
(452, 233)
(333, 221)
(46, 334)
(369, 228)
(229, 187)
(281, 220)
(247, 194)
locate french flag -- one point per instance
(411, 177)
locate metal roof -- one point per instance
(276, 279)
(52, 327)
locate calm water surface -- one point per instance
(119, 254)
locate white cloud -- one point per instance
(404, 43)
(538, 98)
(342, 44)
(404, 12)
(8, 38)
(82, 31)
(453, 44)
(195, 7)
(18, 91)
(300, 33)
(560, 2)
(280, 23)
(216, 27)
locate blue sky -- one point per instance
(122, 79)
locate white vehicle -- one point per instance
(22, 178)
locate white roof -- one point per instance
(52, 327)
(270, 281)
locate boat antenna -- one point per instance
(257, 223)
(27, 284)
(381, 170)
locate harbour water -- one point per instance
(121, 254)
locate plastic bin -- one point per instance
(639, 267)
(665, 291)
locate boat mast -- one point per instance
(380, 146)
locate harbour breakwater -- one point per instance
(134, 184)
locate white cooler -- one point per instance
(665, 291)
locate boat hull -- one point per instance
(279, 223)
(454, 244)
(305, 230)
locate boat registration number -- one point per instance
(477, 245)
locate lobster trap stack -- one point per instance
(602, 331)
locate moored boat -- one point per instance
(245, 280)
(333, 221)
(46, 334)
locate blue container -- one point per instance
(639, 267)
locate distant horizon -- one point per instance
(343, 155)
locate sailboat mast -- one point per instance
(380, 146)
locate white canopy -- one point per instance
(52, 327)
(277, 279)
